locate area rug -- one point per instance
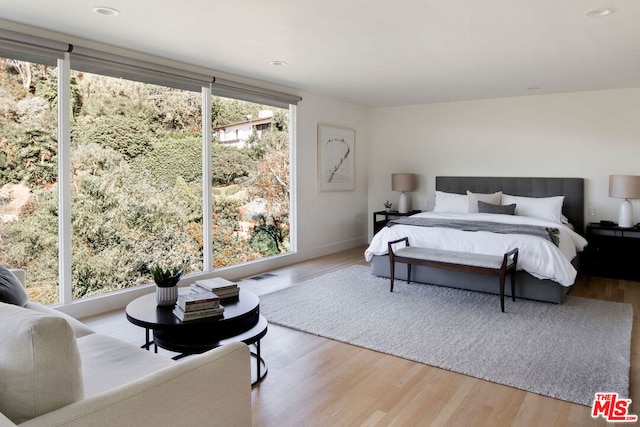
(568, 351)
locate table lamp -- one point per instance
(625, 187)
(403, 182)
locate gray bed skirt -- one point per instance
(527, 286)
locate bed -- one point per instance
(547, 268)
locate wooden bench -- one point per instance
(452, 260)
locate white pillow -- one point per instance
(474, 198)
(549, 208)
(451, 202)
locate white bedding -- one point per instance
(537, 256)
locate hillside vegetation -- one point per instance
(136, 155)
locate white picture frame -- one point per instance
(336, 158)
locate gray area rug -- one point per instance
(568, 351)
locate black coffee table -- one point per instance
(241, 321)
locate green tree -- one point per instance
(175, 155)
(270, 179)
(179, 110)
(268, 239)
(29, 156)
(229, 164)
(106, 96)
(229, 247)
(130, 136)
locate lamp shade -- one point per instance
(624, 186)
(403, 182)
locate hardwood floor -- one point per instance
(313, 381)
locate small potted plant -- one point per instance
(387, 206)
(166, 284)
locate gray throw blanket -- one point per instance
(547, 233)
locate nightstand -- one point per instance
(379, 223)
(612, 251)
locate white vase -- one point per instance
(166, 295)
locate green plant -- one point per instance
(166, 278)
(388, 204)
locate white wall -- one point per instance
(587, 134)
(329, 221)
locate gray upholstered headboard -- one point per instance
(571, 188)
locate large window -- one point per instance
(136, 162)
(250, 179)
(28, 174)
(126, 185)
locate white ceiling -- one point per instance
(370, 52)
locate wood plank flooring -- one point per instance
(313, 381)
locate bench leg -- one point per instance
(392, 271)
(408, 273)
(513, 284)
(502, 277)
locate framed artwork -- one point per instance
(336, 158)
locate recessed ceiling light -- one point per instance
(106, 11)
(599, 13)
(534, 88)
(278, 63)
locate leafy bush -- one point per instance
(230, 164)
(267, 238)
(28, 156)
(172, 157)
(128, 135)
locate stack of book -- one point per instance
(197, 305)
(221, 287)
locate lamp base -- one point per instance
(404, 204)
(625, 216)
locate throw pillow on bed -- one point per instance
(474, 198)
(496, 209)
(11, 290)
(549, 208)
(451, 202)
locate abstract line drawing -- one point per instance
(336, 149)
(336, 152)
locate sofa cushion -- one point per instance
(11, 290)
(108, 363)
(78, 327)
(39, 363)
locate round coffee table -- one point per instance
(241, 321)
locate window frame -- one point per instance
(26, 47)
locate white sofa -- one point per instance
(55, 371)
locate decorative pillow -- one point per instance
(11, 290)
(474, 198)
(548, 208)
(496, 209)
(451, 202)
(40, 369)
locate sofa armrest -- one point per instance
(213, 388)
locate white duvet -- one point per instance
(537, 256)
